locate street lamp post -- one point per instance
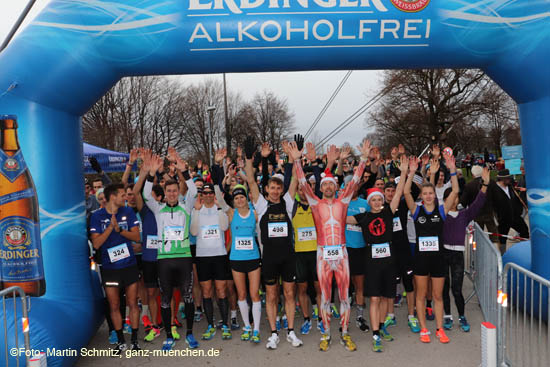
(210, 111)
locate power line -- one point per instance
(329, 102)
(354, 116)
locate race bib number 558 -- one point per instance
(335, 252)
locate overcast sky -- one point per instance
(305, 92)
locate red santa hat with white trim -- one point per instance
(374, 192)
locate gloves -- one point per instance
(95, 164)
(249, 147)
(299, 139)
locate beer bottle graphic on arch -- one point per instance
(20, 249)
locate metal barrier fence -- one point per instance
(13, 291)
(525, 335)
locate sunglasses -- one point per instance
(208, 192)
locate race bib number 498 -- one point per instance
(278, 229)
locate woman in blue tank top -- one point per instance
(245, 258)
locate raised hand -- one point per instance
(310, 155)
(450, 162)
(133, 156)
(199, 164)
(231, 170)
(345, 152)
(434, 166)
(239, 152)
(425, 160)
(249, 147)
(413, 164)
(220, 155)
(299, 139)
(181, 165)
(156, 164)
(95, 164)
(266, 150)
(285, 146)
(333, 153)
(294, 152)
(365, 149)
(486, 175)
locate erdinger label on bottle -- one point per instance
(20, 250)
(12, 167)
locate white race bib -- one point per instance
(428, 243)
(278, 229)
(118, 253)
(210, 232)
(381, 250)
(335, 252)
(244, 243)
(153, 242)
(174, 233)
(307, 234)
(397, 224)
(353, 228)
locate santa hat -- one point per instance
(328, 177)
(374, 192)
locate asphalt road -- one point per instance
(464, 349)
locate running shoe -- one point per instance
(176, 322)
(464, 326)
(425, 336)
(245, 336)
(175, 333)
(285, 322)
(113, 338)
(443, 338)
(226, 332)
(191, 341)
(413, 324)
(168, 344)
(325, 343)
(385, 334)
(119, 348)
(346, 341)
(430, 314)
(362, 324)
(293, 339)
(256, 336)
(448, 322)
(198, 316)
(235, 324)
(152, 335)
(147, 324)
(320, 327)
(335, 312)
(272, 342)
(377, 344)
(135, 346)
(278, 323)
(390, 321)
(127, 328)
(209, 333)
(306, 327)
(315, 315)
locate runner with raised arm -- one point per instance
(278, 258)
(429, 218)
(329, 215)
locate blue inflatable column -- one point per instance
(535, 133)
(68, 315)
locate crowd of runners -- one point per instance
(295, 232)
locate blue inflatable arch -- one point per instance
(75, 50)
